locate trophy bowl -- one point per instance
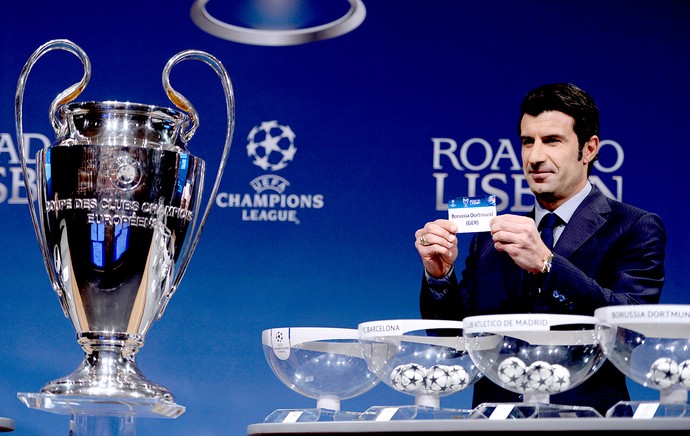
(535, 355)
(650, 344)
(323, 363)
(424, 358)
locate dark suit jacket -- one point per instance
(610, 253)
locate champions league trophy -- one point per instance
(118, 199)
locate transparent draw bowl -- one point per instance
(533, 354)
(650, 344)
(322, 363)
(426, 359)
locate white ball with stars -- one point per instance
(459, 377)
(561, 379)
(438, 379)
(525, 386)
(512, 371)
(664, 372)
(408, 377)
(684, 373)
(539, 376)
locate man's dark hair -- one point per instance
(569, 99)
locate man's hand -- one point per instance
(519, 238)
(437, 246)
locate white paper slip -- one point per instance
(472, 214)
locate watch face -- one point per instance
(547, 264)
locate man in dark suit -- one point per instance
(605, 253)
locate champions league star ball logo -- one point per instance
(459, 378)
(437, 379)
(412, 377)
(442, 378)
(540, 376)
(561, 378)
(271, 146)
(664, 372)
(684, 373)
(512, 372)
(408, 377)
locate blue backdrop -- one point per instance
(416, 105)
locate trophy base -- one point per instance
(107, 383)
(531, 411)
(397, 413)
(79, 405)
(648, 409)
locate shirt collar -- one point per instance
(567, 209)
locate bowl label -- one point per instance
(280, 343)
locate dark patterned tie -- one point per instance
(546, 226)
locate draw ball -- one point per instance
(540, 376)
(408, 377)
(459, 377)
(664, 372)
(561, 379)
(684, 373)
(438, 379)
(512, 371)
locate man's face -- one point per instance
(550, 157)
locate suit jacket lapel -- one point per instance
(586, 220)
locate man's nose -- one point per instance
(537, 152)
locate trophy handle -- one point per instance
(65, 96)
(188, 131)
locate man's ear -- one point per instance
(590, 150)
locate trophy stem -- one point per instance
(108, 369)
